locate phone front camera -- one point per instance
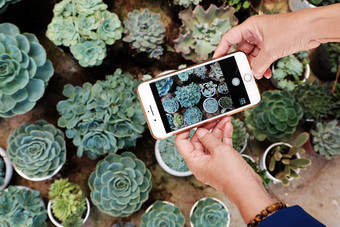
(235, 81)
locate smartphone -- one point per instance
(193, 96)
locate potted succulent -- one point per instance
(208, 89)
(240, 135)
(188, 95)
(223, 88)
(192, 115)
(162, 213)
(68, 205)
(170, 104)
(255, 167)
(225, 102)
(6, 169)
(336, 102)
(37, 150)
(295, 5)
(209, 212)
(283, 162)
(210, 105)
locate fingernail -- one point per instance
(201, 132)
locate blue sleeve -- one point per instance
(293, 216)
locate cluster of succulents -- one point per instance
(208, 89)
(323, 2)
(188, 95)
(86, 27)
(210, 105)
(240, 134)
(24, 71)
(192, 115)
(223, 88)
(184, 76)
(225, 102)
(333, 50)
(103, 117)
(326, 139)
(202, 30)
(209, 212)
(186, 3)
(216, 71)
(315, 100)
(37, 149)
(22, 207)
(163, 86)
(68, 202)
(170, 104)
(275, 118)
(145, 32)
(261, 173)
(2, 171)
(120, 184)
(284, 162)
(163, 214)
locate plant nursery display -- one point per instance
(240, 135)
(261, 173)
(163, 214)
(37, 150)
(21, 206)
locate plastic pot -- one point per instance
(295, 5)
(8, 168)
(244, 147)
(37, 178)
(247, 156)
(213, 102)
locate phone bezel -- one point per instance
(151, 111)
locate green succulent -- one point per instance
(2, 171)
(37, 149)
(186, 3)
(178, 120)
(188, 95)
(326, 139)
(144, 30)
(163, 214)
(209, 212)
(208, 89)
(333, 50)
(261, 173)
(323, 2)
(315, 100)
(238, 4)
(275, 118)
(68, 202)
(103, 117)
(24, 71)
(202, 31)
(89, 53)
(336, 101)
(120, 184)
(22, 207)
(240, 134)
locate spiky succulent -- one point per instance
(5, 3)
(261, 173)
(315, 100)
(103, 117)
(188, 95)
(209, 212)
(210, 105)
(192, 115)
(145, 31)
(326, 139)
(86, 26)
(68, 202)
(202, 31)
(22, 207)
(240, 134)
(24, 71)
(120, 184)
(37, 149)
(186, 3)
(208, 89)
(163, 86)
(163, 214)
(275, 118)
(2, 171)
(170, 104)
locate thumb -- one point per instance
(260, 64)
(209, 141)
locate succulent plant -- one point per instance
(170, 119)
(216, 71)
(223, 88)
(315, 100)
(208, 89)
(37, 149)
(210, 105)
(261, 173)
(145, 31)
(239, 4)
(5, 3)
(200, 72)
(275, 118)
(184, 76)
(170, 104)
(202, 31)
(156, 53)
(163, 214)
(186, 3)
(163, 86)
(336, 101)
(240, 134)
(86, 26)
(68, 202)
(24, 71)
(2, 171)
(120, 184)
(326, 139)
(178, 120)
(225, 102)
(209, 212)
(192, 115)
(323, 2)
(188, 95)
(333, 50)
(22, 207)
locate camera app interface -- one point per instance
(199, 94)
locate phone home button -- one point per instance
(247, 77)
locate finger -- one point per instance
(219, 128)
(260, 64)
(208, 140)
(255, 51)
(228, 133)
(232, 37)
(268, 73)
(245, 47)
(196, 142)
(184, 146)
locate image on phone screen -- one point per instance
(199, 94)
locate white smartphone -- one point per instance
(201, 93)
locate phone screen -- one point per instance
(199, 94)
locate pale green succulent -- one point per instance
(63, 31)
(120, 184)
(5, 3)
(89, 53)
(188, 95)
(186, 3)
(110, 28)
(37, 149)
(240, 134)
(202, 31)
(24, 71)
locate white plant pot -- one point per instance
(8, 168)
(275, 81)
(263, 162)
(295, 5)
(247, 156)
(217, 200)
(244, 147)
(39, 178)
(56, 223)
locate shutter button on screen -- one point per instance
(247, 77)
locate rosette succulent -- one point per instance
(170, 105)
(223, 88)
(216, 71)
(200, 72)
(178, 120)
(24, 71)
(186, 3)
(209, 212)
(5, 3)
(192, 115)
(210, 105)
(326, 139)
(22, 207)
(37, 149)
(120, 184)
(103, 117)
(89, 53)
(240, 134)
(208, 89)
(188, 95)
(184, 76)
(202, 31)
(2, 171)
(275, 118)
(145, 32)
(163, 214)
(225, 102)
(163, 86)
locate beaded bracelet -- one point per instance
(264, 213)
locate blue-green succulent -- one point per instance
(37, 149)
(163, 214)
(103, 117)
(240, 134)
(2, 171)
(192, 115)
(120, 184)
(186, 3)
(223, 88)
(170, 104)
(144, 31)
(208, 89)
(89, 53)
(170, 119)
(24, 71)
(188, 95)
(5, 3)
(184, 76)
(210, 105)
(22, 207)
(200, 72)
(163, 86)
(216, 71)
